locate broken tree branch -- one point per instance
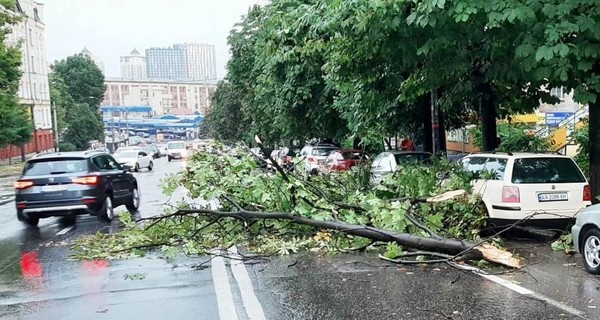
(446, 246)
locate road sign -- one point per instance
(554, 118)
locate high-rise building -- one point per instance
(133, 66)
(166, 63)
(200, 61)
(97, 60)
(189, 61)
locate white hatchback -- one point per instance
(544, 189)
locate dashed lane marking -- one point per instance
(64, 231)
(223, 292)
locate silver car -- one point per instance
(586, 237)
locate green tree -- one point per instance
(77, 89)
(15, 121)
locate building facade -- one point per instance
(133, 66)
(166, 63)
(188, 61)
(34, 88)
(164, 96)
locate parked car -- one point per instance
(544, 189)
(285, 157)
(73, 183)
(387, 162)
(314, 156)
(152, 150)
(176, 150)
(586, 237)
(135, 159)
(163, 149)
(343, 160)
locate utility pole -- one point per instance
(54, 126)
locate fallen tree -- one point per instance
(285, 213)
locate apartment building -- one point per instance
(162, 95)
(188, 61)
(133, 66)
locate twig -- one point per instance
(233, 202)
(412, 219)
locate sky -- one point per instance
(112, 28)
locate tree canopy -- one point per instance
(15, 121)
(77, 89)
(371, 69)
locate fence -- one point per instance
(42, 140)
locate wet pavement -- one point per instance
(38, 281)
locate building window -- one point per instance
(31, 38)
(558, 92)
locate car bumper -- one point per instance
(575, 230)
(44, 209)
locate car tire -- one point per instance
(107, 212)
(590, 251)
(137, 167)
(134, 204)
(150, 166)
(169, 159)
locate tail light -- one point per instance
(587, 193)
(511, 195)
(20, 185)
(312, 160)
(89, 180)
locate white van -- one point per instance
(176, 150)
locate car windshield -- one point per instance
(406, 158)
(322, 151)
(54, 166)
(546, 170)
(178, 145)
(126, 154)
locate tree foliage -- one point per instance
(15, 120)
(77, 89)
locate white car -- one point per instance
(176, 150)
(315, 156)
(544, 189)
(135, 159)
(586, 237)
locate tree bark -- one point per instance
(488, 117)
(442, 245)
(425, 103)
(594, 129)
(441, 130)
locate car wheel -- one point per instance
(169, 159)
(150, 166)
(591, 251)
(137, 167)
(134, 203)
(107, 213)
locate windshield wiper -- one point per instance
(58, 172)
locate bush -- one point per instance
(66, 146)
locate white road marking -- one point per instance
(223, 290)
(253, 308)
(526, 292)
(64, 231)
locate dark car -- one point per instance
(73, 183)
(152, 150)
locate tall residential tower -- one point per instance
(133, 66)
(188, 61)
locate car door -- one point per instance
(115, 179)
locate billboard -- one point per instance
(554, 118)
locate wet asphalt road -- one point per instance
(37, 281)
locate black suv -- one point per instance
(72, 183)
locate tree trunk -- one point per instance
(488, 117)
(425, 103)
(442, 245)
(594, 123)
(23, 158)
(441, 131)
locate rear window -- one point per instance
(55, 166)
(407, 158)
(354, 156)
(322, 151)
(546, 170)
(177, 145)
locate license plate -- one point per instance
(55, 188)
(542, 197)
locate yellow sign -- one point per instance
(558, 138)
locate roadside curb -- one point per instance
(6, 201)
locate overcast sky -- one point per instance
(112, 28)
